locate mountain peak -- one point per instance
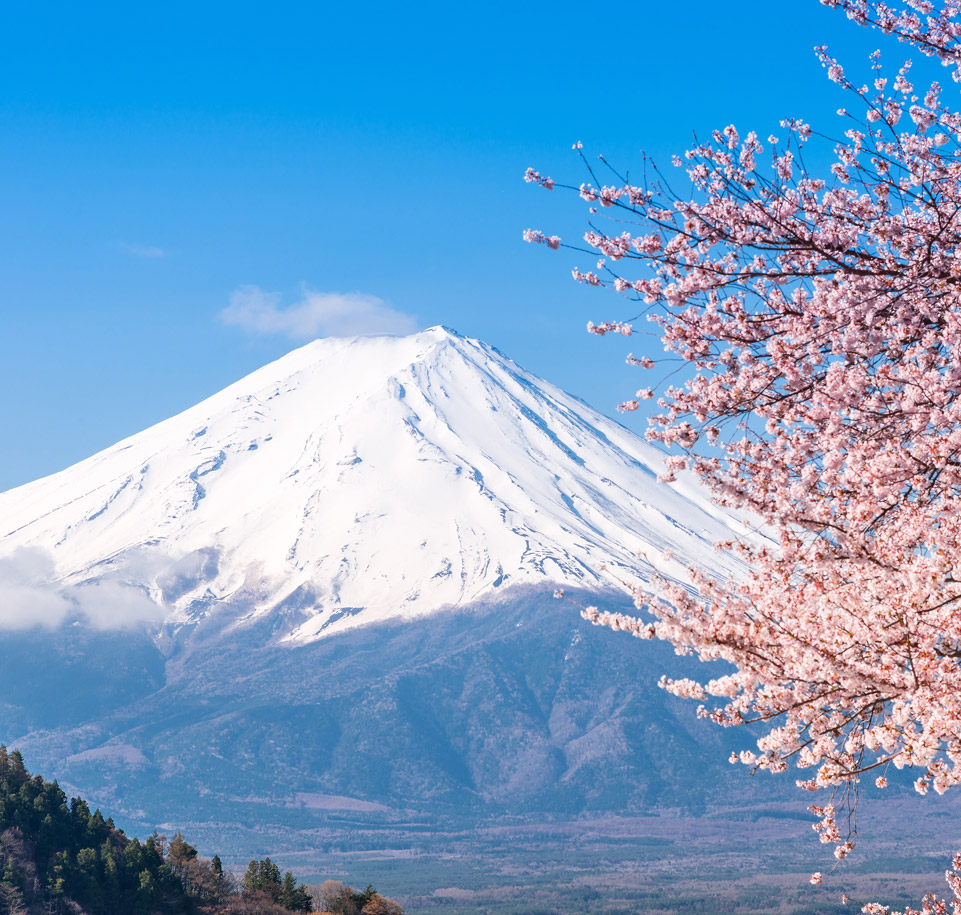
(363, 478)
(442, 330)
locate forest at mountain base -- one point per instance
(58, 858)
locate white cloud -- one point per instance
(31, 596)
(114, 605)
(23, 606)
(26, 596)
(317, 314)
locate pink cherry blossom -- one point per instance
(819, 315)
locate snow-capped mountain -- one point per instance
(359, 479)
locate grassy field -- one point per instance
(746, 862)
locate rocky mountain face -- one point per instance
(516, 707)
(327, 591)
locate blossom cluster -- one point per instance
(820, 316)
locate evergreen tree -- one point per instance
(56, 857)
(294, 896)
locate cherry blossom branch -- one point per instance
(819, 318)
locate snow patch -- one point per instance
(372, 477)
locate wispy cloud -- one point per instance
(30, 596)
(317, 314)
(145, 250)
(114, 605)
(26, 597)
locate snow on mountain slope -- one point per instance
(364, 478)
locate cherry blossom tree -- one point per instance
(820, 317)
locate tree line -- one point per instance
(59, 858)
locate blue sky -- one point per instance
(160, 161)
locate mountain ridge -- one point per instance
(358, 479)
(344, 632)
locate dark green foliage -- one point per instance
(263, 880)
(54, 852)
(261, 877)
(294, 896)
(57, 857)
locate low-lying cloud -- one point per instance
(114, 605)
(31, 596)
(26, 596)
(317, 314)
